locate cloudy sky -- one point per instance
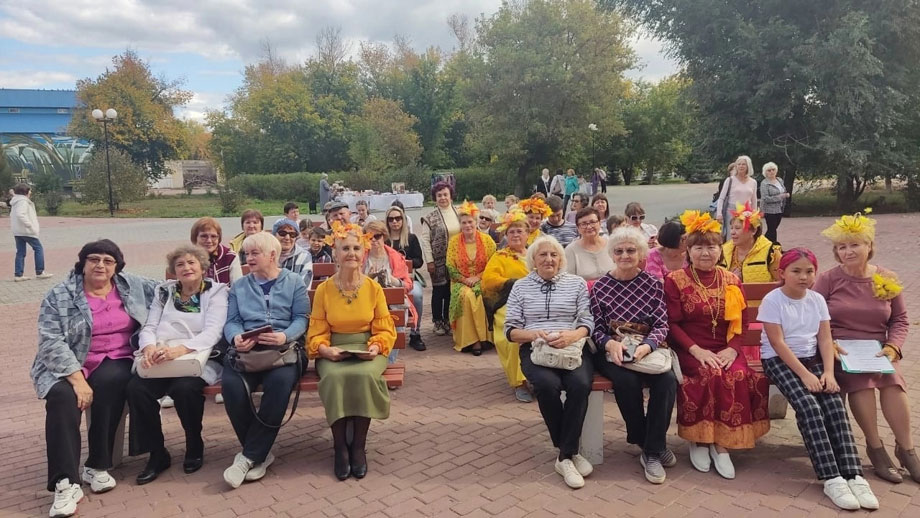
(52, 43)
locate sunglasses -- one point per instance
(287, 233)
(637, 218)
(378, 236)
(394, 218)
(483, 218)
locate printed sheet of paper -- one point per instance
(861, 357)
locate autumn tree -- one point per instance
(383, 138)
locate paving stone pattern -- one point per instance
(456, 442)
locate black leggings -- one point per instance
(440, 303)
(773, 221)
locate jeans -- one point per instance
(417, 295)
(146, 427)
(440, 303)
(37, 249)
(773, 221)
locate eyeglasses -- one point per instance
(96, 259)
(394, 218)
(378, 236)
(640, 217)
(584, 224)
(208, 237)
(627, 251)
(287, 233)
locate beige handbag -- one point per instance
(659, 361)
(568, 358)
(191, 364)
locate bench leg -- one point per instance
(118, 447)
(592, 433)
(777, 404)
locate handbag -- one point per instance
(568, 357)
(187, 365)
(263, 358)
(659, 361)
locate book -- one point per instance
(862, 357)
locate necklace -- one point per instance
(348, 295)
(703, 290)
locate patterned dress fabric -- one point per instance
(467, 313)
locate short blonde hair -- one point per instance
(855, 239)
(770, 165)
(183, 250)
(377, 227)
(539, 243)
(628, 235)
(265, 242)
(487, 198)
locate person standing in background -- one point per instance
(738, 189)
(324, 190)
(773, 197)
(571, 187)
(544, 183)
(557, 186)
(24, 223)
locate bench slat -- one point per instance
(394, 376)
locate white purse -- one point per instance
(187, 365)
(568, 358)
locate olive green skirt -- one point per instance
(353, 387)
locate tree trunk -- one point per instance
(524, 187)
(627, 175)
(845, 191)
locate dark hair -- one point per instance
(703, 238)
(103, 246)
(633, 208)
(554, 202)
(600, 196)
(318, 232)
(21, 188)
(440, 186)
(397, 203)
(587, 211)
(289, 206)
(252, 214)
(559, 171)
(669, 234)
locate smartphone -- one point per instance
(256, 332)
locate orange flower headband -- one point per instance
(512, 216)
(748, 216)
(849, 227)
(535, 205)
(693, 221)
(340, 231)
(468, 209)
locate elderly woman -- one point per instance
(773, 198)
(351, 334)
(401, 239)
(631, 299)
(635, 217)
(269, 296)
(671, 252)
(293, 257)
(438, 226)
(865, 303)
(587, 256)
(739, 188)
(749, 255)
(503, 270)
(187, 316)
(225, 265)
(561, 318)
(486, 218)
(722, 403)
(251, 221)
(467, 256)
(602, 206)
(488, 202)
(87, 334)
(536, 210)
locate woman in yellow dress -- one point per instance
(467, 255)
(505, 267)
(350, 335)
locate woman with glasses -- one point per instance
(401, 239)
(587, 256)
(225, 264)
(468, 253)
(487, 218)
(579, 201)
(386, 266)
(635, 217)
(293, 257)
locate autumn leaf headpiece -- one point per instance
(510, 217)
(468, 208)
(341, 231)
(535, 205)
(694, 221)
(748, 216)
(849, 227)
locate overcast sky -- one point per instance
(52, 43)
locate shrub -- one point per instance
(52, 201)
(231, 199)
(129, 180)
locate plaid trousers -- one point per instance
(821, 418)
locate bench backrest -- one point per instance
(754, 292)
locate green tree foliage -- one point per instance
(129, 181)
(6, 174)
(146, 128)
(382, 137)
(196, 141)
(827, 87)
(541, 72)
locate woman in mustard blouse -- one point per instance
(350, 335)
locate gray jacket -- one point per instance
(65, 325)
(771, 197)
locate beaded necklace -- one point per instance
(348, 295)
(703, 290)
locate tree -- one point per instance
(196, 141)
(129, 182)
(543, 70)
(146, 128)
(383, 137)
(6, 173)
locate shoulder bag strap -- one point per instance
(252, 405)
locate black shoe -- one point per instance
(194, 454)
(193, 464)
(158, 463)
(358, 464)
(342, 468)
(477, 352)
(415, 342)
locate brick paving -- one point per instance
(456, 443)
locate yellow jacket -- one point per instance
(759, 265)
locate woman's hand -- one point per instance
(786, 195)
(243, 345)
(728, 356)
(372, 352)
(277, 338)
(431, 268)
(173, 352)
(888, 351)
(564, 338)
(812, 383)
(830, 383)
(150, 355)
(81, 389)
(334, 354)
(615, 351)
(706, 357)
(642, 351)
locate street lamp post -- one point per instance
(593, 128)
(105, 119)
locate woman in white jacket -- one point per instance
(187, 315)
(24, 223)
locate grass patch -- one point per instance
(182, 206)
(824, 203)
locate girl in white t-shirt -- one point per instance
(796, 343)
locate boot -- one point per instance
(882, 464)
(908, 460)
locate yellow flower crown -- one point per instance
(748, 216)
(468, 209)
(341, 231)
(512, 216)
(535, 205)
(694, 221)
(849, 227)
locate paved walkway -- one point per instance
(456, 443)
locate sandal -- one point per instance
(908, 460)
(882, 464)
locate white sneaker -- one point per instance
(839, 492)
(22, 278)
(236, 473)
(99, 480)
(219, 399)
(167, 402)
(44, 275)
(66, 498)
(258, 470)
(863, 493)
(570, 474)
(699, 457)
(582, 465)
(723, 463)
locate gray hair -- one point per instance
(539, 243)
(750, 165)
(628, 235)
(265, 242)
(183, 250)
(770, 165)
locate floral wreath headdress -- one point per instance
(468, 208)
(535, 205)
(849, 227)
(694, 221)
(748, 216)
(340, 231)
(512, 216)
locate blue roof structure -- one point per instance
(36, 111)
